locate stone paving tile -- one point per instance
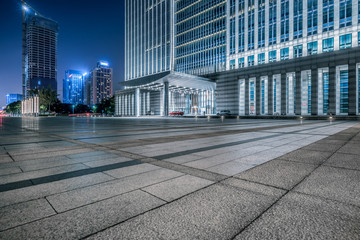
(230, 168)
(18, 214)
(278, 173)
(333, 183)
(254, 187)
(86, 220)
(132, 170)
(207, 162)
(177, 187)
(344, 160)
(184, 158)
(307, 156)
(259, 158)
(5, 159)
(86, 154)
(79, 197)
(38, 163)
(50, 154)
(298, 216)
(40, 173)
(323, 147)
(42, 190)
(9, 170)
(106, 161)
(350, 148)
(128, 230)
(216, 212)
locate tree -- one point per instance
(14, 107)
(47, 97)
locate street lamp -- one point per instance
(73, 107)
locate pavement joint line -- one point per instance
(66, 175)
(47, 200)
(141, 189)
(250, 181)
(290, 190)
(327, 199)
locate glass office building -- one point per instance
(13, 97)
(274, 57)
(74, 87)
(98, 83)
(39, 53)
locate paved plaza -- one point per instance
(179, 178)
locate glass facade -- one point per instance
(284, 25)
(241, 62)
(345, 41)
(148, 38)
(328, 15)
(261, 58)
(251, 60)
(344, 91)
(328, 45)
(251, 24)
(298, 51)
(261, 23)
(312, 48)
(74, 87)
(200, 36)
(345, 13)
(312, 17)
(325, 92)
(241, 16)
(252, 96)
(284, 53)
(272, 22)
(272, 56)
(298, 19)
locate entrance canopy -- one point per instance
(177, 81)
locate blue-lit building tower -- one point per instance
(39, 57)
(13, 97)
(74, 87)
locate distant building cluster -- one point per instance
(88, 88)
(39, 63)
(13, 97)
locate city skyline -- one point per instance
(79, 46)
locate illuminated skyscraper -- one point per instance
(74, 87)
(99, 83)
(39, 57)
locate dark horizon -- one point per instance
(89, 31)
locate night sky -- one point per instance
(90, 30)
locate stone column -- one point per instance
(283, 93)
(270, 94)
(352, 88)
(314, 90)
(137, 102)
(298, 92)
(166, 99)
